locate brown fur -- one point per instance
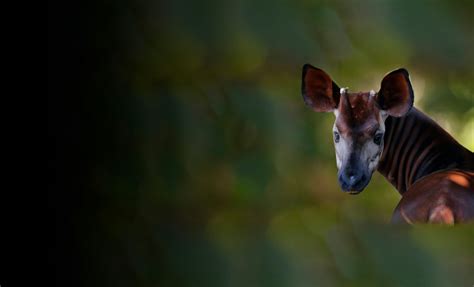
(359, 114)
(441, 197)
(431, 170)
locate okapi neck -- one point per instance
(416, 146)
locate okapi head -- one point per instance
(360, 120)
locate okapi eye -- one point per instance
(336, 137)
(378, 139)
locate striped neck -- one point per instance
(416, 146)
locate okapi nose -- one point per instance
(351, 179)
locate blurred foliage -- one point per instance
(219, 175)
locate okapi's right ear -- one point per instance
(319, 91)
(396, 94)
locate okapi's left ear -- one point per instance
(319, 91)
(396, 94)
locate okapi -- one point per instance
(382, 130)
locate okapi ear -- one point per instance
(319, 91)
(396, 94)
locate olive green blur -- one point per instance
(210, 169)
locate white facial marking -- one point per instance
(342, 148)
(384, 116)
(370, 152)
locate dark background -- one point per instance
(182, 153)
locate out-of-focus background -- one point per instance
(184, 155)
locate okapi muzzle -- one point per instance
(358, 132)
(383, 131)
